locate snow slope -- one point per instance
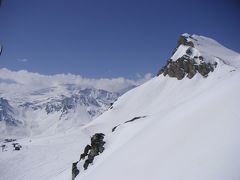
(190, 131)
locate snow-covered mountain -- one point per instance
(197, 54)
(45, 113)
(32, 104)
(7, 113)
(181, 125)
(189, 128)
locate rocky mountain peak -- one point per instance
(187, 60)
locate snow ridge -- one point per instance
(197, 54)
(209, 49)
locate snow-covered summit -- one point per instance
(198, 54)
(209, 49)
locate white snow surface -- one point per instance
(209, 49)
(191, 131)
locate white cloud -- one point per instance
(29, 80)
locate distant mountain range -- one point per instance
(44, 113)
(32, 104)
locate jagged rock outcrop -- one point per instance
(75, 170)
(183, 41)
(185, 66)
(90, 151)
(188, 64)
(97, 147)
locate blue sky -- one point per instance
(108, 38)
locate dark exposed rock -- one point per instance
(96, 147)
(86, 150)
(189, 51)
(16, 146)
(96, 138)
(135, 118)
(75, 170)
(17, 149)
(101, 149)
(115, 127)
(111, 105)
(183, 41)
(85, 165)
(9, 140)
(131, 120)
(205, 68)
(185, 66)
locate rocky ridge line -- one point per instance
(186, 65)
